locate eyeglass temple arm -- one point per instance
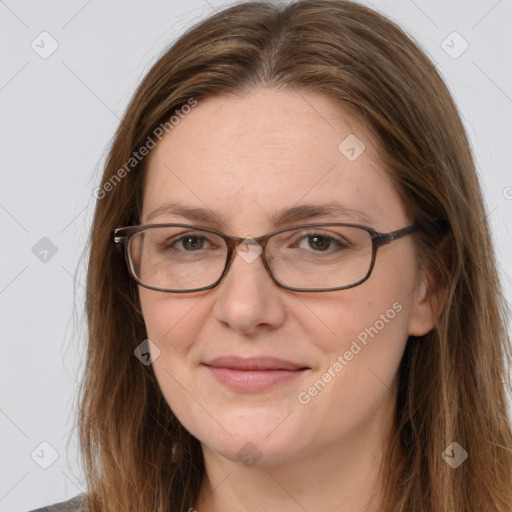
(385, 238)
(395, 235)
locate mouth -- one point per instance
(254, 374)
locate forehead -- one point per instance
(245, 158)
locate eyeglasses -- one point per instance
(183, 258)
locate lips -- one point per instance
(255, 374)
(254, 363)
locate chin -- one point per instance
(255, 452)
(252, 440)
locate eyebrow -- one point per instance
(277, 219)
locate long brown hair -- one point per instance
(452, 381)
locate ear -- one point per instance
(429, 299)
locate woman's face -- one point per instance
(245, 161)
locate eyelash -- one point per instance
(169, 245)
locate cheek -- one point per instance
(362, 335)
(379, 309)
(364, 316)
(172, 326)
(359, 364)
(168, 320)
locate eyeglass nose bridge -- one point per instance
(248, 248)
(235, 247)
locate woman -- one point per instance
(292, 295)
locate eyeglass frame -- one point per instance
(122, 236)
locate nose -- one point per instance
(247, 298)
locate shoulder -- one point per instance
(73, 505)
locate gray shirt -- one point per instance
(72, 505)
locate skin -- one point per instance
(244, 158)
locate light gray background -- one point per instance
(57, 117)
